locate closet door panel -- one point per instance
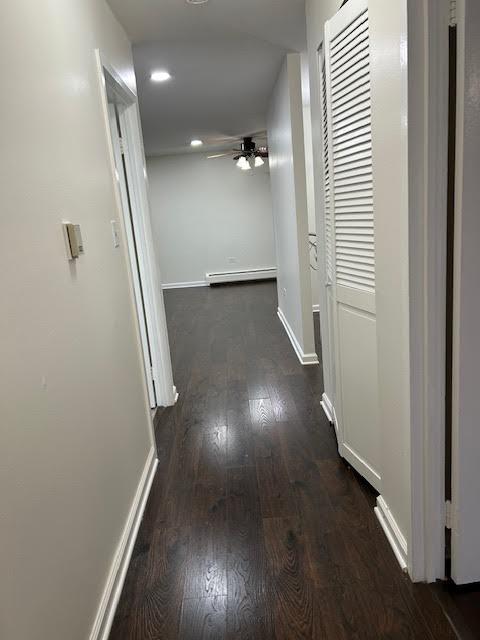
(350, 234)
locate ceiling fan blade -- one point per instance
(219, 155)
(223, 139)
(254, 134)
(262, 134)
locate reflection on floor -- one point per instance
(255, 528)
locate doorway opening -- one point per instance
(128, 165)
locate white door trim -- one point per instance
(465, 521)
(132, 253)
(428, 22)
(149, 273)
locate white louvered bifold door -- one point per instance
(349, 228)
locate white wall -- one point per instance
(74, 425)
(289, 198)
(208, 215)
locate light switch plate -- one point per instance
(73, 240)
(78, 237)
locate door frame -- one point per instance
(428, 108)
(326, 331)
(465, 477)
(124, 186)
(165, 390)
(428, 22)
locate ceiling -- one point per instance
(224, 57)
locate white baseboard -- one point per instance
(316, 308)
(113, 588)
(225, 277)
(305, 358)
(184, 285)
(241, 275)
(327, 407)
(360, 464)
(392, 531)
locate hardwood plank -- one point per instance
(155, 613)
(261, 414)
(424, 598)
(466, 623)
(275, 491)
(211, 464)
(203, 619)
(283, 404)
(297, 450)
(237, 394)
(206, 571)
(292, 587)
(247, 615)
(243, 500)
(236, 360)
(358, 611)
(256, 383)
(128, 606)
(240, 449)
(209, 496)
(215, 409)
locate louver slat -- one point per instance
(352, 196)
(342, 40)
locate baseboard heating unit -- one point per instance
(240, 276)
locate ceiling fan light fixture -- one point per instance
(242, 161)
(259, 161)
(246, 166)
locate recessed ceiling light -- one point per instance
(196, 143)
(160, 76)
(197, 1)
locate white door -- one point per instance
(350, 246)
(125, 194)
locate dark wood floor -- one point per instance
(255, 528)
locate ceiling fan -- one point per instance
(249, 154)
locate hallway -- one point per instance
(255, 528)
